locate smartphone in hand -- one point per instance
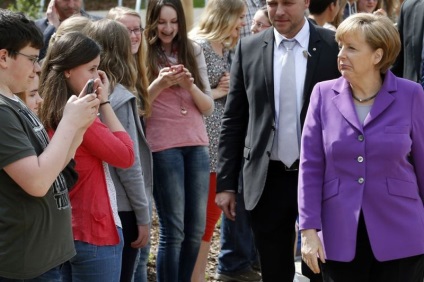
(90, 87)
(177, 68)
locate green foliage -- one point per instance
(31, 8)
(199, 3)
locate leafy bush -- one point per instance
(31, 8)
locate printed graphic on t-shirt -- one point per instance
(60, 192)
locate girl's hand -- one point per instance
(101, 85)
(170, 76)
(186, 80)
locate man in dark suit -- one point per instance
(251, 124)
(411, 29)
(58, 11)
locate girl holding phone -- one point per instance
(180, 95)
(70, 62)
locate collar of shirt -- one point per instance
(302, 37)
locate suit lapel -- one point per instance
(343, 102)
(268, 65)
(419, 24)
(315, 51)
(384, 99)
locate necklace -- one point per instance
(183, 109)
(364, 100)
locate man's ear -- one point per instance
(4, 54)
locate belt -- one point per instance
(294, 166)
(278, 165)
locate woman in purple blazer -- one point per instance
(361, 180)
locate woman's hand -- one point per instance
(312, 249)
(223, 86)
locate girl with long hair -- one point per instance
(180, 95)
(132, 21)
(118, 62)
(70, 62)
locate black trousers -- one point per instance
(366, 268)
(273, 224)
(129, 254)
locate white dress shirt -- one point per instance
(301, 59)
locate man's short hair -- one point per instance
(17, 32)
(317, 7)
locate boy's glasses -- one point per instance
(33, 59)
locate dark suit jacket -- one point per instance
(248, 124)
(48, 30)
(411, 29)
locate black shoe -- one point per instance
(246, 276)
(256, 266)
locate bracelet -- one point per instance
(104, 103)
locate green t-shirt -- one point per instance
(35, 232)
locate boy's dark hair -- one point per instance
(317, 7)
(17, 32)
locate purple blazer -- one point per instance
(377, 167)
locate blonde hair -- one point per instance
(378, 31)
(73, 23)
(218, 19)
(116, 14)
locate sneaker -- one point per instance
(246, 276)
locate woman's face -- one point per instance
(260, 22)
(133, 24)
(241, 22)
(367, 6)
(77, 77)
(33, 100)
(356, 59)
(167, 26)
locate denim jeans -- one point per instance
(140, 273)
(181, 183)
(53, 275)
(238, 252)
(94, 263)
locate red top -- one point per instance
(92, 218)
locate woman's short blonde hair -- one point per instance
(378, 31)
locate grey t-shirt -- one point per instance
(35, 232)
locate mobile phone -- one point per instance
(177, 68)
(90, 87)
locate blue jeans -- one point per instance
(181, 183)
(238, 252)
(53, 275)
(140, 273)
(94, 263)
